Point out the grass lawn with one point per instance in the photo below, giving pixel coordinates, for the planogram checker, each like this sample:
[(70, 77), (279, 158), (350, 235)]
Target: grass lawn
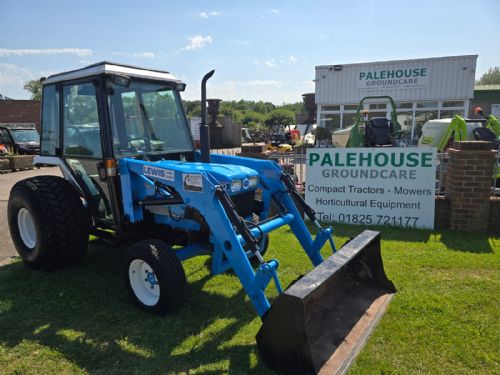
[(444, 318)]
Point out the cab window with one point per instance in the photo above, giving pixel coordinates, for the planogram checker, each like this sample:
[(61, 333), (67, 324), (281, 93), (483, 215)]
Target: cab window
[(82, 133)]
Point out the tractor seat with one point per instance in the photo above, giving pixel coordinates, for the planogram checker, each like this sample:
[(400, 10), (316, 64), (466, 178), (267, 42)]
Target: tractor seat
[(483, 134), (378, 132)]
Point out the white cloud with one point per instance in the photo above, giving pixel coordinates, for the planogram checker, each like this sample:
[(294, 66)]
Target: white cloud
[(47, 73), (271, 63), (197, 42), (261, 83), (82, 52), (209, 14), (138, 55), (144, 55), (12, 80), (292, 59), (271, 12)]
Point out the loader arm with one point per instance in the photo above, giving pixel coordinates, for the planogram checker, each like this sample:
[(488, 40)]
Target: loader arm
[(275, 185)]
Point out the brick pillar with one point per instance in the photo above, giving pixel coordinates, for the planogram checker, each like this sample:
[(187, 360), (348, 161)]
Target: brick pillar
[(468, 184)]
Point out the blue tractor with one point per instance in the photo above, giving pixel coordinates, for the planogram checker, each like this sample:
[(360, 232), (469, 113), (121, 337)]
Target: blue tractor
[(132, 175)]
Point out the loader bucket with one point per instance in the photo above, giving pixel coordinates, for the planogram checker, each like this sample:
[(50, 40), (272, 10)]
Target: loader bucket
[(320, 323)]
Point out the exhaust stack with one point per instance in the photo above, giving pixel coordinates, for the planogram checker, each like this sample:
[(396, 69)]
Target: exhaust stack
[(204, 130)]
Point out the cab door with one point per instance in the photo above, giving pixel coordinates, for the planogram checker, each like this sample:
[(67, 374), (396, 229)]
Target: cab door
[(82, 146)]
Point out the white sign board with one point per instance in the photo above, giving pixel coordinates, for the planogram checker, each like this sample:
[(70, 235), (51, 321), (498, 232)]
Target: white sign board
[(393, 78), (495, 110), (372, 186)]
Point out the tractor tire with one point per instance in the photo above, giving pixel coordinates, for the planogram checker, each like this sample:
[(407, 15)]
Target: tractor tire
[(155, 277), (48, 222)]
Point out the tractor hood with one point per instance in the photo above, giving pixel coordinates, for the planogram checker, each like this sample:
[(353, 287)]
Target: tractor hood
[(235, 178), (221, 172)]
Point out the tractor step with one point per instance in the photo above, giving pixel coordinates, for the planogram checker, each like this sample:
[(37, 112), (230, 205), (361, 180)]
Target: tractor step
[(325, 317)]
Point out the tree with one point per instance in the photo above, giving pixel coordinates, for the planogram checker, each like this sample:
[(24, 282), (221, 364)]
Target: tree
[(35, 89), (247, 111), (280, 117), (252, 116), (491, 77)]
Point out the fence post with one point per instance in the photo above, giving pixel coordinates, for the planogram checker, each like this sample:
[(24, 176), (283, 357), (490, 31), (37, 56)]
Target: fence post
[(469, 180)]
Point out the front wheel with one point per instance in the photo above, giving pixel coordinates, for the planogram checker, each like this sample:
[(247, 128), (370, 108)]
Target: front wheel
[(155, 277)]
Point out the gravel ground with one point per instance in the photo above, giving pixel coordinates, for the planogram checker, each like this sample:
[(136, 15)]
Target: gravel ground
[(7, 249)]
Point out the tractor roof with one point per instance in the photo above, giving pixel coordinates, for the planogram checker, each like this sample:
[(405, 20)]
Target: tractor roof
[(110, 67)]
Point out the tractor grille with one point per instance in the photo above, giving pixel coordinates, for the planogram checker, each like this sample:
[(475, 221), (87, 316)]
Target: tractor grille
[(244, 203)]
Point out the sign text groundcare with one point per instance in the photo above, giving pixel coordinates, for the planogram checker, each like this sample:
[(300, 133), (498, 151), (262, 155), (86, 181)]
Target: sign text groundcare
[(393, 186)]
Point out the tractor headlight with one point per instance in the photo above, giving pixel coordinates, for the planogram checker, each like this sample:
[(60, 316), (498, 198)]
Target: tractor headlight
[(235, 185), (253, 181)]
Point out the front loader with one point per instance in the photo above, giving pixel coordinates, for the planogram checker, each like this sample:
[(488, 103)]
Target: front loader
[(131, 175)]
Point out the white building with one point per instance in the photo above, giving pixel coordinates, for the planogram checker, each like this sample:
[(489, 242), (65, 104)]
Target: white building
[(423, 89)]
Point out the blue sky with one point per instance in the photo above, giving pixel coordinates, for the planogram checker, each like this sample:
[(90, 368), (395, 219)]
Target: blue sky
[(261, 50)]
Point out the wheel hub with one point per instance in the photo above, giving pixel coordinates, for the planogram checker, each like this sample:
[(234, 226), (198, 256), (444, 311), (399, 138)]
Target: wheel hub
[(151, 279), (143, 282), (26, 227)]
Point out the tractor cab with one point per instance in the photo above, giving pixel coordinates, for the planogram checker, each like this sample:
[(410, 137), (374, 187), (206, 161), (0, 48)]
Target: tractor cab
[(108, 111)]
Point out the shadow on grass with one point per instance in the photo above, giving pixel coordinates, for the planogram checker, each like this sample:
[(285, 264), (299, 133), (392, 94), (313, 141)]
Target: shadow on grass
[(468, 242), (85, 315), (387, 232), (452, 239)]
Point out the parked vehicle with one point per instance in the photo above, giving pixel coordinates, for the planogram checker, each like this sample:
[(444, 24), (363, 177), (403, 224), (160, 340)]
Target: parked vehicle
[(441, 133), (20, 138)]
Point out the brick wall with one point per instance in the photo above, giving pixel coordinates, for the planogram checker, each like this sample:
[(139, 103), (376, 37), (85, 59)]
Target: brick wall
[(23, 111), (468, 184)]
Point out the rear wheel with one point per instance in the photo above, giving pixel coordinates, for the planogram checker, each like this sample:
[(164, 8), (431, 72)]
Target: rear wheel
[(48, 223), (155, 277)]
